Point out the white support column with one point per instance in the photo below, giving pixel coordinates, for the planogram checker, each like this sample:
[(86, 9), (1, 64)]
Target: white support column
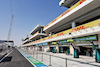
[(50, 33), (71, 50), (41, 30), (57, 47), (42, 48), (99, 40), (33, 48), (73, 24)]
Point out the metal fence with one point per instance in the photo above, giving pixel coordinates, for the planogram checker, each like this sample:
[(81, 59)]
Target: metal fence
[(48, 58), (53, 60), (62, 60)]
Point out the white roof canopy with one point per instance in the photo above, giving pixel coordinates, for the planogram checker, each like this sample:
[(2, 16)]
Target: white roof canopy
[(36, 28), (67, 3)]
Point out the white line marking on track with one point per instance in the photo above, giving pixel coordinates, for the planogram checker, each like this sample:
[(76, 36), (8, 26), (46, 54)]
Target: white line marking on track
[(6, 56), (26, 58)]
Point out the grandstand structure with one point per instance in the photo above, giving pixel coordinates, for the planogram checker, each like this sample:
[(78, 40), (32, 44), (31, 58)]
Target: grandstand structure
[(80, 23)]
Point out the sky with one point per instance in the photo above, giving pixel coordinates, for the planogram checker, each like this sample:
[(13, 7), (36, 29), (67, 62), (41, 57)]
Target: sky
[(27, 15)]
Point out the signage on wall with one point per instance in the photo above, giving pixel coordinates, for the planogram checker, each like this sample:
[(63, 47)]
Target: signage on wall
[(67, 11), (81, 27), (85, 26), (70, 40), (87, 38), (62, 41), (37, 44), (78, 28), (45, 43), (53, 43)]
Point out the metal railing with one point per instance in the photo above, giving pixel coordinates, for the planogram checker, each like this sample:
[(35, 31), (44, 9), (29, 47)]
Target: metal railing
[(55, 60), (50, 57)]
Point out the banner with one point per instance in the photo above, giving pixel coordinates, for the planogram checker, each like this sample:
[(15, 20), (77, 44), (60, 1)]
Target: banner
[(87, 38), (81, 27), (74, 6)]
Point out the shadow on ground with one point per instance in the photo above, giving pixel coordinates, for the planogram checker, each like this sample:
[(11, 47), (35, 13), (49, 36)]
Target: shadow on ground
[(7, 59)]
